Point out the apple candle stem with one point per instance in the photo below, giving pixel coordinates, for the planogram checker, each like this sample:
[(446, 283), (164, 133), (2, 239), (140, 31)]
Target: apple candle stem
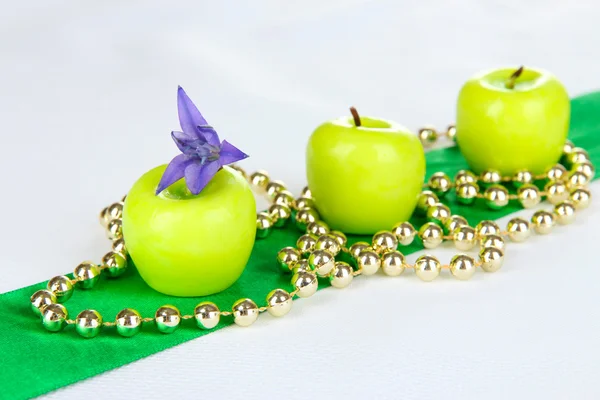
[(510, 83), (356, 117)]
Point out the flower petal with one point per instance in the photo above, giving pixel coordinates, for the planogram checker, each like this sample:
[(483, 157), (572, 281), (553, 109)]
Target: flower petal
[(197, 175), (183, 141), (209, 134), (189, 116), (230, 154), (174, 172)]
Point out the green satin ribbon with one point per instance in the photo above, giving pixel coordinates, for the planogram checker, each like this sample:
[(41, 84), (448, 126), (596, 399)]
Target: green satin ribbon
[(35, 361)]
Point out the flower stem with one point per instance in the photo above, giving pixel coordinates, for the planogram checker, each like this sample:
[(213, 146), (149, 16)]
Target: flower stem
[(356, 117), (510, 83)]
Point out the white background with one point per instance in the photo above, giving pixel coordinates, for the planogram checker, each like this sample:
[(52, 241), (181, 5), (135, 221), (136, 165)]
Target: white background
[(87, 101)]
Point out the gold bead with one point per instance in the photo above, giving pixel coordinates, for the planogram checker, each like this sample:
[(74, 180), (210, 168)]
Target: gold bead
[(341, 275), (404, 232), (306, 283), (565, 212), (358, 248), (467, 192), (301, 265), (581, 198), (427, 268), (245, 312), (54, 317), (462, 266), (431, 235), (322, 262), (518, 229), (207, 315), (368, 262), (464, 238), (329, 243), (438, 213), (490, 177), (454, 222), (62, 288), (284, 198), (128, 322), (521, 178), (280, 214), (577, 155), (114, 229), (106, 257), (451, 132), (493, 241), (87, 274), (491, 259), (167, 319), (440, 184), (306, 243), (496, 197), (568, 147), (306, 192), (118, 245), (260, 179), (542, 221), (464, 176), (304, 202), (115, 264), (384, 241), (264, 222), (392, 263), (88, 323), (114, 211), (103, 217), (305, 217), (577, 179), (529, 196), (587, 168), (340, 237), (428, 135), (286, 257), (279, 302), (41, 299), (556, 173), (487, 227), (425, 200), (317, 228), (556, 192), (274, 187), (239, 169)]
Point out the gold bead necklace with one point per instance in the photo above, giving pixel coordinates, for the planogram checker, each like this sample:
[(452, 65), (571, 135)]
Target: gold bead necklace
[(317, 248)]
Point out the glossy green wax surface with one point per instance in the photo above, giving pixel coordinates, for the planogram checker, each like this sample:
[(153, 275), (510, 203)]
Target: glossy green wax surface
[(186, 245), (364, 179), (512, 129)]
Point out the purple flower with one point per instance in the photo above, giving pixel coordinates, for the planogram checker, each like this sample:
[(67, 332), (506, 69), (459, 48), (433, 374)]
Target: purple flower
[(203, 154)]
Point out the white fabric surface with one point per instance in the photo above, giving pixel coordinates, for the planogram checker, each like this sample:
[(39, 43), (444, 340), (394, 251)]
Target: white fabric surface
[(87, 102)]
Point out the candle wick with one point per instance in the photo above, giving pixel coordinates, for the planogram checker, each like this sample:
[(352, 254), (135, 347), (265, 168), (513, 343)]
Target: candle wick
[(355, 115), (510, 83)]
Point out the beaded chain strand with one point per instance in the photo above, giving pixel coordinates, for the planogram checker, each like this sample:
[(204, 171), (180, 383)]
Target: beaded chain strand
[(318, 247)]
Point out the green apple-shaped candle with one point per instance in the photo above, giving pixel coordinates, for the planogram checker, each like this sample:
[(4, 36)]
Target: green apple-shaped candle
[(190, 245), (190, 226), (365, 174), (512, 119)]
